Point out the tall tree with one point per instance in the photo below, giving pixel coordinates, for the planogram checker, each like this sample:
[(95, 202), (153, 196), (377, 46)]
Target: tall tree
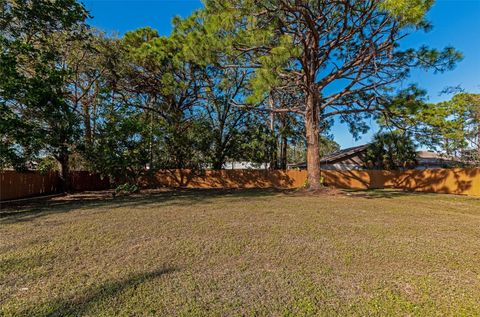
[(344, 56), (227, 123), (34, 77), (391, 151), (157, 79), (233, 135), (120, 148), (451, 127), (285, 127), (88, 58)]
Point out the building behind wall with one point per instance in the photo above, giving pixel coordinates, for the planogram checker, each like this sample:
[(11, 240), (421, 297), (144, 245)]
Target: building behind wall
[(354, 159)]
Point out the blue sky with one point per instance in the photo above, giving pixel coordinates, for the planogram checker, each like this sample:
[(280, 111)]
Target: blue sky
[(456, 23)]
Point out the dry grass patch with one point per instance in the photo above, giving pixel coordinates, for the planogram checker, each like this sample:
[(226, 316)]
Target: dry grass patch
[(212, 253)]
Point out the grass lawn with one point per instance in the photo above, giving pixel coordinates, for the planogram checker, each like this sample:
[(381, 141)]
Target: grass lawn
[(254, 253)]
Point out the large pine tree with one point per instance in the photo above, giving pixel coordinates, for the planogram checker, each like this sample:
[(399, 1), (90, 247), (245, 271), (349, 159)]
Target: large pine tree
[(342, 57)]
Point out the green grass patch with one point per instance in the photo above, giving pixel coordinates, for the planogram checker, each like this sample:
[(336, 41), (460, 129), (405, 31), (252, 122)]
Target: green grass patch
[(245, 252)]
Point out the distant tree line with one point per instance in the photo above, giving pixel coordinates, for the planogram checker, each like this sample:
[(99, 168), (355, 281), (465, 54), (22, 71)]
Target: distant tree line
[(256, 81)]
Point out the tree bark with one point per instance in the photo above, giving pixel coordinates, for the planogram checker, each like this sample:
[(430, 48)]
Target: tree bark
[(273, 151), (218, 162), (87, 123), (312, 135), (283, 144), (151, 141), (66, 185)]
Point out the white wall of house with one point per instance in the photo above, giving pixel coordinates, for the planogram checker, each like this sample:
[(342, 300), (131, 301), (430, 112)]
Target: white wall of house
[(341, 166), (246, 166)]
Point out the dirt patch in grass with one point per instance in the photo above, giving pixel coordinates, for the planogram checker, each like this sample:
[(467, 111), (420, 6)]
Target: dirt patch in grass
[(242, 252), (330, 191)]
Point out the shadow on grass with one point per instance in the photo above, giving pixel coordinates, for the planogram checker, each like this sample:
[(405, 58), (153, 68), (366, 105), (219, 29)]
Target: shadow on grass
[(33, 209), (383, 193), (80, 304)]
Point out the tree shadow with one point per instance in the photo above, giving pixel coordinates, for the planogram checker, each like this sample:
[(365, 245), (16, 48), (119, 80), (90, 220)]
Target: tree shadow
[(226, 179), (381, 193), (79, 304), (445, 181), (37, 208)]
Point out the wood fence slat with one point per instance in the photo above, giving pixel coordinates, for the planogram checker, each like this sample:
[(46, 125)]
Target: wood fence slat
[(450, 181), (15, 185)]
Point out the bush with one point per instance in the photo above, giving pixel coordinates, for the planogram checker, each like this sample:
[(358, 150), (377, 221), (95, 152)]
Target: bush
[(47, 164), (126, 189)]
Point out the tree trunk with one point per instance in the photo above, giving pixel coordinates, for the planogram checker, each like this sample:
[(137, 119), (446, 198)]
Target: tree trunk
[(218, 160), (66, 185), (273, 151), (311, 127), (284, 144), (151, 142), (283, 161), (87, 123), (218, 164)]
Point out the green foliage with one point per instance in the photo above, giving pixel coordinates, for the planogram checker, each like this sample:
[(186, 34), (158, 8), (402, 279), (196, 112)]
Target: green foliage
[(391, 151), (183, 144), (408, 12), (47, 164), (192, 122), (120, 149), (126, 189), (259, 144), (297, 152), (147, 101), (33, 93), (327, 146), (226, 128), (451, 127), (19, 140), (264, 38), (344, 59)]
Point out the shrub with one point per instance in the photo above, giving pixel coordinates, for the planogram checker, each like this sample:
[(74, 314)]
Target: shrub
[(126, 189)]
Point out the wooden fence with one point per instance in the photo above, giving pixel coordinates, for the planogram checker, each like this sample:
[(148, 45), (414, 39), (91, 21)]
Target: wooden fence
[(449, 181), (14, 185), (227, 179), (86, 181)]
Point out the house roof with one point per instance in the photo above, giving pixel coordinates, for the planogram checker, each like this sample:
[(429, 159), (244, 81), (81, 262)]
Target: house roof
[(424, 157), (338, 155), (343, 153), (434, 158), (431, 155)]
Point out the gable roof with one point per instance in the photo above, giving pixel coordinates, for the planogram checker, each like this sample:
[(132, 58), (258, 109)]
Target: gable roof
[(423, 157), (343, 154), (338, 155)]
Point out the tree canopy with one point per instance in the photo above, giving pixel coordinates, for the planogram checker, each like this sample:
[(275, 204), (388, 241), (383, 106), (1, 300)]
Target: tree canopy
[(391, 151), (260, 81), (33, 89), (340, 59)]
